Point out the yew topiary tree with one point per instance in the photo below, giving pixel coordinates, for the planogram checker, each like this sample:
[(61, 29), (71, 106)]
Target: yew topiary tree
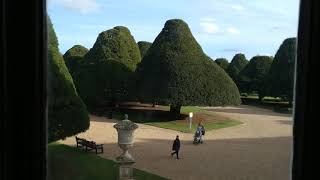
[(176, 72), (73, 59), (144, 46), (223, 63), (67, 114), (281, 76), (252, 77), (236, 65), (107, 72)]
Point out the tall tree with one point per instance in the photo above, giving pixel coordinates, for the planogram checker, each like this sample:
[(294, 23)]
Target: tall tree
[(67, 114), (281, 76), (236, 65), (176, 72), (223, 63), (73, 58), (107, 71), (252, 77)]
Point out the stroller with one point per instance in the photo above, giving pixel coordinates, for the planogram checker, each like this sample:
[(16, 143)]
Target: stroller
[(197, 137)]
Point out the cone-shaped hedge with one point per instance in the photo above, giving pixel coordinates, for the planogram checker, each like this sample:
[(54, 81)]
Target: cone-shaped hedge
[(223, 63), (252, 77), (116, 44), (236, 65), (144, 46), (107, 72), (67, 114), (176, 71), (73, 58), (281, 76)]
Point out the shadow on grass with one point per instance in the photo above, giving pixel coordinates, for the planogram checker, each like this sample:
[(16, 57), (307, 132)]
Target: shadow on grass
[(70, 163), (246, 109), (139, 115)]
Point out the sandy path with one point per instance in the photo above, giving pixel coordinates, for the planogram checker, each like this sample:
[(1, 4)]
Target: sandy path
[(258, 149)]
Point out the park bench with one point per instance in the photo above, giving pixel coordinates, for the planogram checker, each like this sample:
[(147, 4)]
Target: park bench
[(89, 145)]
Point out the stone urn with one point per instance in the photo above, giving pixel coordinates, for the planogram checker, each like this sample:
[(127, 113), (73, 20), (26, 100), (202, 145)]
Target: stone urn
[(125, 129)]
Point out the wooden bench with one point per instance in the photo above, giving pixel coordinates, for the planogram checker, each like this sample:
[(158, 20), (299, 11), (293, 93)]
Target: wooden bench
[(89, 145), (80, 142)]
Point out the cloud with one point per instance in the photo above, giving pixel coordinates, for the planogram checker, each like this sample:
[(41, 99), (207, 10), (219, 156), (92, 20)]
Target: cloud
[(231, 50), (209, 27), (233, 30), (237, 7), (82, 6), (207, 19)]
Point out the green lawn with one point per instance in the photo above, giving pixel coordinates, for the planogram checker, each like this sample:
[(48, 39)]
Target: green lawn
[(161, 118), (184, 127), (70, 163)]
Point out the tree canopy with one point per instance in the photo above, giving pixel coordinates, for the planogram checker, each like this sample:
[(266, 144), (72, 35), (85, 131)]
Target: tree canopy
[(223, 63), (281, 76), (252, 77), (144, 46), (73, 58), (177, 72), (107, 71), (236, 65), (67, 114)]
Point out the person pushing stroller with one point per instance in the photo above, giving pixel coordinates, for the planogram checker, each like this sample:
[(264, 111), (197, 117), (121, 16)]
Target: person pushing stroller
[(198, 136)]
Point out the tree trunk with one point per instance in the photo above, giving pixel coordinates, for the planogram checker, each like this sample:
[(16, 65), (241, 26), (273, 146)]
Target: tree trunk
[(260, 97), (175, 110)]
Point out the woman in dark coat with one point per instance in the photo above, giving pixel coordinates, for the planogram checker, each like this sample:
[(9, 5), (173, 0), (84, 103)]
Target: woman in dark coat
[(176, 147)]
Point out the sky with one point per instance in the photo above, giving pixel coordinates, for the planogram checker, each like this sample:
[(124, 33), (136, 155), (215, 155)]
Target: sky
[(223, 28)]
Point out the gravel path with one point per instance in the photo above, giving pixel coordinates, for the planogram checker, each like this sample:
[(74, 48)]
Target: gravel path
[(260, 148)]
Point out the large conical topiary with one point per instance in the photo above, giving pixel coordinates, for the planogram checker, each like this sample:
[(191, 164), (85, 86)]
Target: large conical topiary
[(144, 46), (107, 72), (223, 63), (73, 58), (67, 114), (252, 77), (176, 71), (281, 76)]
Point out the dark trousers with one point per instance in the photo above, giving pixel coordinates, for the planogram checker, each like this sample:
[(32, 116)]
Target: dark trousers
[(175, 152)]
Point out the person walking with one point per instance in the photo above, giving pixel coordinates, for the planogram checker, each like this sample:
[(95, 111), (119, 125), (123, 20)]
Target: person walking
[(176, 147)]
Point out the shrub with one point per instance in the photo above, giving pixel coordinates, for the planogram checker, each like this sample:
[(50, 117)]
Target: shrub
[(252, 77), (67, 114), (281, 77), (236, 65), (223, 63), (177, 72), (143, 47), (73, 58), (107, 71)]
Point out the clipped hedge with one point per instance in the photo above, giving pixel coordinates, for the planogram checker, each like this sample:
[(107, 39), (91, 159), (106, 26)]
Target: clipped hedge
[(67, 114), (176, 71)]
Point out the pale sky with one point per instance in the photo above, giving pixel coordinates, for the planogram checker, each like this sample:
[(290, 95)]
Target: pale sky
[(222, 27)]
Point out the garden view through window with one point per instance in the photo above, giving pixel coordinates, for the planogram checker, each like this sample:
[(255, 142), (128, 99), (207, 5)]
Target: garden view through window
[(171, 89)]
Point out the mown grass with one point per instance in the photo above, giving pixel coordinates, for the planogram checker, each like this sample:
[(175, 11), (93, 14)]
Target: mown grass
[(70, 163), (163, 119), (184, 127)]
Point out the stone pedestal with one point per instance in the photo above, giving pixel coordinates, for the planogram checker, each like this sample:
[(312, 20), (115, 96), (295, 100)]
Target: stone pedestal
[(125, 129), (125, 169)]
